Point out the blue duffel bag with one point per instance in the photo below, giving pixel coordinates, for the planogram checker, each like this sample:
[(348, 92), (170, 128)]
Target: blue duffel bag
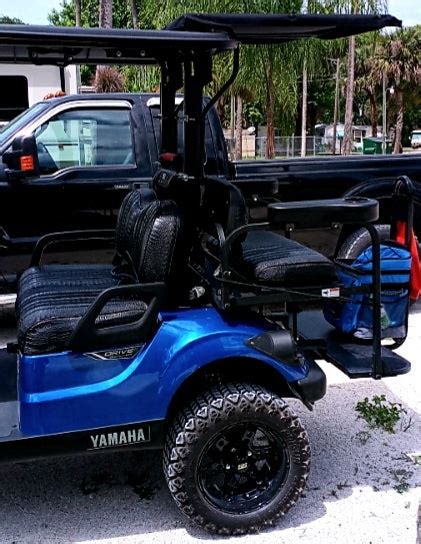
[(356, 316)]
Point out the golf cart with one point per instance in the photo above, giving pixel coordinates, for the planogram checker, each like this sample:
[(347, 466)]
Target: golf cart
[(203, 323)]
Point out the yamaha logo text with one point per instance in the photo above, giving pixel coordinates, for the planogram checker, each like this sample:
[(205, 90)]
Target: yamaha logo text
[(120, 438)]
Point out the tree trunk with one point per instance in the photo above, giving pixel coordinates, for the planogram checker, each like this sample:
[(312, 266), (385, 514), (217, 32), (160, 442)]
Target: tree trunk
[(347, 144), (78, 13), (304, 112), (135, 13), (270, 111), (397, 148), (373, 114), (105, 21), (106, 13), (239, 129)]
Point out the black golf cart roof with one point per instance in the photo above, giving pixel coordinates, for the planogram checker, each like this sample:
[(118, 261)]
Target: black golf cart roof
[(203, 33)]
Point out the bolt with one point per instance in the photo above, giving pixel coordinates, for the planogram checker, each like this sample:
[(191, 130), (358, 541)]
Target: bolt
[(227, 467), (249, 454)]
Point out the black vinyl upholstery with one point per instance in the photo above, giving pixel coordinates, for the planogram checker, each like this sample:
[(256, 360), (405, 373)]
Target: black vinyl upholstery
[(269, 258), (97, 277), (260, 256), (50, 303)]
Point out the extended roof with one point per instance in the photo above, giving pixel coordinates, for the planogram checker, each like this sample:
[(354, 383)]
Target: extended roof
[(209, 33), (279, 28)]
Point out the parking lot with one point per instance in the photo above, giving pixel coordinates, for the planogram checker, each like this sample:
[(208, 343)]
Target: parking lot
[(364, 485)]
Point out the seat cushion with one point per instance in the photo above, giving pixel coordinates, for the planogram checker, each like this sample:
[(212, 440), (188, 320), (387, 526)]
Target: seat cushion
[(269, 258), (46, 322), (69, 279)]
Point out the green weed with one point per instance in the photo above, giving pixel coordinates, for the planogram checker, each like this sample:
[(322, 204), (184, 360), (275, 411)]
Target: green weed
[(380, 412)]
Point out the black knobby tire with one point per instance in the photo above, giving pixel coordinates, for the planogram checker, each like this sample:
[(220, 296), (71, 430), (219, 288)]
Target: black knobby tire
[(265, 426), (359, 241)]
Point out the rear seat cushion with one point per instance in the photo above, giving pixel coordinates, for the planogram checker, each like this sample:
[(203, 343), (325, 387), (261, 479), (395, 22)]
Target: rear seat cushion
[(269, 258)]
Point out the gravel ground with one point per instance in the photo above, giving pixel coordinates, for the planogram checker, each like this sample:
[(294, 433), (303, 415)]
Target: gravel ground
[(363, 486)]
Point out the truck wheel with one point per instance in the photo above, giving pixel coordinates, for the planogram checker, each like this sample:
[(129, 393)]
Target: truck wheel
[(359, 241), (236, 459)]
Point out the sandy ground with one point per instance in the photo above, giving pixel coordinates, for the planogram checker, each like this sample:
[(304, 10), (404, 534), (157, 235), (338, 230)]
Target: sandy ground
[(363, 487)]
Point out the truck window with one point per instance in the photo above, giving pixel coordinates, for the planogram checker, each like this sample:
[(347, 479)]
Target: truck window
[(85, 137), (13, 96)]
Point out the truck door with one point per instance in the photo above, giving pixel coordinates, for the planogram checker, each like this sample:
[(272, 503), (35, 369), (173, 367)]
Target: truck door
[(87, 166), (88, 149)]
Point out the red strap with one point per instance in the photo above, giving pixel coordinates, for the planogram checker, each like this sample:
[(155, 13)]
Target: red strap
[(415, 283)]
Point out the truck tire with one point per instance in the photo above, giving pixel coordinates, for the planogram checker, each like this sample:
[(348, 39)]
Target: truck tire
[(236, 459), (355, 244)]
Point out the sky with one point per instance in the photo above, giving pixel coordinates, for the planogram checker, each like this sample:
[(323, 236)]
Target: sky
[(36, 11)]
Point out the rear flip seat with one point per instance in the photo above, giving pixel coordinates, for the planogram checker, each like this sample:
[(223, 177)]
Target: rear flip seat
[(268, 258)]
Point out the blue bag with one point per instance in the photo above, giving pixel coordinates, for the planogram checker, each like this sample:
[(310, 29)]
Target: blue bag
[(395, 265)]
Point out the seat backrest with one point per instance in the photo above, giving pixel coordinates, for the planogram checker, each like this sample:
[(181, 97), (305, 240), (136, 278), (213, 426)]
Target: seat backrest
[(154, 248), (224, 203), (128, 216)]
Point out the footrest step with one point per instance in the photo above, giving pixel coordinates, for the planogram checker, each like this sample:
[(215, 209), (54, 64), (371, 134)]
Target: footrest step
[(356, 360)]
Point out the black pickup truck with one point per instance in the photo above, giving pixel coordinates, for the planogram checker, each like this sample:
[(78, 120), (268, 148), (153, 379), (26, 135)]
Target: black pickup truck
[(92, 149)]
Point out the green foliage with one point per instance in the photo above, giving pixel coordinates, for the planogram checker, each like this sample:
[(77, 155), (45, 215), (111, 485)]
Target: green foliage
[(6, 20), (253, 114), (380, 412), (65, 15)]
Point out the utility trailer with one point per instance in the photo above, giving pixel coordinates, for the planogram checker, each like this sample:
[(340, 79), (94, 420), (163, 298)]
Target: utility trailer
[(191, 339)]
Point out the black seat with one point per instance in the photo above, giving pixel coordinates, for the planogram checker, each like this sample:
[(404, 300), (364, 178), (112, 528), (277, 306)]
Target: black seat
[(54, 278), (268, 258), (47, 316), (260, 256)]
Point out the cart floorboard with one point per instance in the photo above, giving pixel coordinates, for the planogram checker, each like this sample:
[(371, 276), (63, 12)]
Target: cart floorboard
[(354, 359)]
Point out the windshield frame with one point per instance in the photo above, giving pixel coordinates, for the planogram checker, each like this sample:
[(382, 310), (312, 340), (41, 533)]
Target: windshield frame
[(11, 129)]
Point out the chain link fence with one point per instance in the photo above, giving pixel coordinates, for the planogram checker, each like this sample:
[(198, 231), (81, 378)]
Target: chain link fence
[(254, 147)]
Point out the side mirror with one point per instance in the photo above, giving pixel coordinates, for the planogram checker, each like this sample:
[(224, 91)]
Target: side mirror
[(22, 161)]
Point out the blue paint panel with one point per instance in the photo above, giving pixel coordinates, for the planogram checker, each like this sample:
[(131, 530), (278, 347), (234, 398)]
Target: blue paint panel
[(69, 391)]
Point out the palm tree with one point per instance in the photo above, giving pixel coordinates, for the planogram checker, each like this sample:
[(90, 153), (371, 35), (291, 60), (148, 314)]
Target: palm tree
[(353, 7), (400, 60), (78, 13), (135, 13), (267, 72), (367, 78), (106, 13)]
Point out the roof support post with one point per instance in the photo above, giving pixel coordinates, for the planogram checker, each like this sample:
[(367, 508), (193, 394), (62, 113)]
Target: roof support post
[(171, 81), (197, 73)]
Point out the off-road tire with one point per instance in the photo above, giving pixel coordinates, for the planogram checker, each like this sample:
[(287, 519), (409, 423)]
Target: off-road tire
[(359, 241), (210, 414)]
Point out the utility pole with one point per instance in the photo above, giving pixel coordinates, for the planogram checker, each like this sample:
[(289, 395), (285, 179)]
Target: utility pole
[(336, 107), (384, 117)]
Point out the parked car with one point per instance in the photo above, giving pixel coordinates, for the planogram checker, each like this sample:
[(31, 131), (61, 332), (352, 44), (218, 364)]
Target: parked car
[(416, 139)]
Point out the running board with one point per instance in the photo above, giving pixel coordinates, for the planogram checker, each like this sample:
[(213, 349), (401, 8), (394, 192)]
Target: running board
[(356, 360)]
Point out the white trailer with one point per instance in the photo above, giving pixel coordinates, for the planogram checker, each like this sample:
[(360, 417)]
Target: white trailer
[(22, 85)]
